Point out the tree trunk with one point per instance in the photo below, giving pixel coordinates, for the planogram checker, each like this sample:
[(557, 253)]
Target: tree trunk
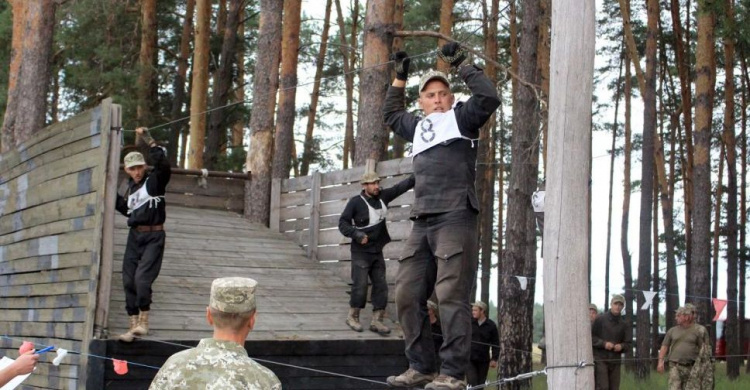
[(513, 32), (307, 153), (520, 257), (654, 342), (147, 62), (566, 204), (716, 233), (648, 91), (615, 127), (178, 85), (284, 138), (28, 77), (705, 68), (199, 84), (743, 209), (238, 127), (216, 136), (625, 222), (348, 55), (372, 136), (446, 28), (543, 53), (260, 153), (731, 330), (397, 143), (683, 69), (486, 160)]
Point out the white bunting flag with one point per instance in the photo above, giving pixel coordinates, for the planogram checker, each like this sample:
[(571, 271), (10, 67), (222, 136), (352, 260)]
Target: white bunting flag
[(649, 297), (523, 281)]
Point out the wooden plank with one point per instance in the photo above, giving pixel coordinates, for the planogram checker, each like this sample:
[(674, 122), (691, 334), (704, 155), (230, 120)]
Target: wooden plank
[(44, 302), (397, 230), (68, 208), (26, 151), (296, 184), (342, 252), (275, 204), (63, 330), (218, 187), (46, 289), (297, 198), (211, 202), (73, 314), (76, 241), (54, 276), (348, 190), (46, 262), (312, 248), (48, 229)]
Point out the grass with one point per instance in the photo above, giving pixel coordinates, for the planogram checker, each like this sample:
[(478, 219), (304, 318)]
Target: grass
[(654, 381)]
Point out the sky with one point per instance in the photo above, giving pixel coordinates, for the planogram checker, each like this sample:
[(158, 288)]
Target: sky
[(601, 143)]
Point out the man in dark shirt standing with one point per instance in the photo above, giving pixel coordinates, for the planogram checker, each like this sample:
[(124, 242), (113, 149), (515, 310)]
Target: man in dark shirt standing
[(363, 220), (441, 252), (484, 341), (609, 336), (143, 204)]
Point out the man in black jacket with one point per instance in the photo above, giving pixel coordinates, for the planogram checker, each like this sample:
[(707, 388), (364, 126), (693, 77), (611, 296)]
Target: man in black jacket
[(143, 204), (609, 337), (484, 342), (441, 252), (363, 220)]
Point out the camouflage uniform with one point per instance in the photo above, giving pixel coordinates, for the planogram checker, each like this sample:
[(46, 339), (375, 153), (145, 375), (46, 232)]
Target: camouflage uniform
[(219, 364), (697, 375), (214, 364)]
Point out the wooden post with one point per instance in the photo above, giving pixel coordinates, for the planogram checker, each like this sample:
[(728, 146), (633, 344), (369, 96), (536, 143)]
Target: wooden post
[(312, 248), (273, 222), (568, 330), (108, 224)]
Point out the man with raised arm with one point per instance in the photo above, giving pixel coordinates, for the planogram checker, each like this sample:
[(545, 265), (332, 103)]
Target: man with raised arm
[(441, 252)]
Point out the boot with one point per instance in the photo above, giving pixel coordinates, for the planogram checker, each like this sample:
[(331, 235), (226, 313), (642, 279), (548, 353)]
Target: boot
[(377, 325), (410, 378), (128, 336), (353, 320), (446, 382), (142, 328)]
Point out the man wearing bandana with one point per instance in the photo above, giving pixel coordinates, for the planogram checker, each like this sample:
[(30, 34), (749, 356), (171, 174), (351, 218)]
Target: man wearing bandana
[(143, 204), (441, 252)]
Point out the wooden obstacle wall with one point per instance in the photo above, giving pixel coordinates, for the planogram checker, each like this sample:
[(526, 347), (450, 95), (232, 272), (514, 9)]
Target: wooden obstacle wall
[(51, 203), (307, 210)]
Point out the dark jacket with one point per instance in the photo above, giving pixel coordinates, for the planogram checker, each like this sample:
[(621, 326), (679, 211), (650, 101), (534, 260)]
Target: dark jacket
[(153, 213), (483, 338), (445, 173), (357, 214), (608, 327)]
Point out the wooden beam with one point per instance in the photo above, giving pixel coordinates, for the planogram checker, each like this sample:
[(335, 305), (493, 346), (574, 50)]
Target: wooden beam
[(312, 249)]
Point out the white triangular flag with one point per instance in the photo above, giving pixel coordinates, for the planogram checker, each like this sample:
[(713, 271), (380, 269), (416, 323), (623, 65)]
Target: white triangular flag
[(523, 281), (61, 353), (649, 297)]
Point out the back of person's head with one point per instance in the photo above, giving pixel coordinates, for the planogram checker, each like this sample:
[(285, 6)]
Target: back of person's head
[(232, 302)]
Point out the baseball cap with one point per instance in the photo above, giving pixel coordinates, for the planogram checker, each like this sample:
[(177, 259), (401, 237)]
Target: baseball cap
[(618, 298), (369, 177), (480, 305), (133, 159), (233, 294), (433, 75)]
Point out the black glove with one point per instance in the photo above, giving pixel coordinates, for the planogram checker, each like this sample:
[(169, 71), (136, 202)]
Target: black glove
[(401, 64), (452, 53), (145, 138)]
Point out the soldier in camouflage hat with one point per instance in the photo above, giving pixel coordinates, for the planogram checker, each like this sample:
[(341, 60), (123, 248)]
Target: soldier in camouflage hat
[(687, 349), (221, 362)]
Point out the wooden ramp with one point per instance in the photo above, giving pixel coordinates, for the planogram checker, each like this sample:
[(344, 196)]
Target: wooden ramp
[(298, 299)]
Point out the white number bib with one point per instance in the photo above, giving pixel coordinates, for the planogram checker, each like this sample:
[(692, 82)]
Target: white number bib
[(436, 128)]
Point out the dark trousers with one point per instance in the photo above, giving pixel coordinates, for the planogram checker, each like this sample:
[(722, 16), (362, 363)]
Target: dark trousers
[(441, 256), (476, 372), (607, 375), (368, 265), (140, 267)]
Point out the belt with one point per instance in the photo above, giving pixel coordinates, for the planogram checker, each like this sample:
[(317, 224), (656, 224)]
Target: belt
[(685, 364), (147, 228)]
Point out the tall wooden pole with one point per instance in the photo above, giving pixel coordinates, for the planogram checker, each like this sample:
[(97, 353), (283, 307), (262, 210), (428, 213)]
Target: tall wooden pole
[(567, 325)]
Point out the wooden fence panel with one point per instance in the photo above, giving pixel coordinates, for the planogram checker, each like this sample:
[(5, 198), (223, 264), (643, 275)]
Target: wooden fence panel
[(51, 199)]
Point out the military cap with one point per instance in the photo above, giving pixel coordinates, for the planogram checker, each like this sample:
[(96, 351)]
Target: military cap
[(480, 305), (593, 307), (688, 309), (618, 298), (433, 75), (369, 177), (133, 159), (233, 294)]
